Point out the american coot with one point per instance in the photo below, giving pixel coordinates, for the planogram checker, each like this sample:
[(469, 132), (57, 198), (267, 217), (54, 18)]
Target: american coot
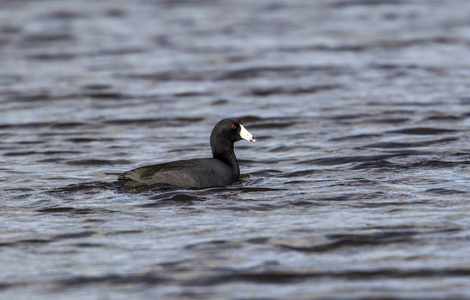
[(220, 170)]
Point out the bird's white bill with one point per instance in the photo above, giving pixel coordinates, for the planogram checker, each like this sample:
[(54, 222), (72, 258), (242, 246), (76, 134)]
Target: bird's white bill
[(246, 135)]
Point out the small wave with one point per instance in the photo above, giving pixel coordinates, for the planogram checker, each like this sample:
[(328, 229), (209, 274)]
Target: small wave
[(423, 131), (417, 144), (340, 160), (355, 240), (98, 162)]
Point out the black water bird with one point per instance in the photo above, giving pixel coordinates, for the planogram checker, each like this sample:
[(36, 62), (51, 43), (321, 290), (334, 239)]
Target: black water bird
[(220, 170)]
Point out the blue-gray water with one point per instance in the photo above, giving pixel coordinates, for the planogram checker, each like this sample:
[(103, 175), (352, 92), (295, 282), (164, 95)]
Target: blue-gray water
[(357, 186)]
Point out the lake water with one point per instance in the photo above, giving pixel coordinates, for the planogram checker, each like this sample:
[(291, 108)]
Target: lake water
[(357, 186)]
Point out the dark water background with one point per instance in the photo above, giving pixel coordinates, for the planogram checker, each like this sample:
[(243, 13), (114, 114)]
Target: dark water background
[(358, 185)]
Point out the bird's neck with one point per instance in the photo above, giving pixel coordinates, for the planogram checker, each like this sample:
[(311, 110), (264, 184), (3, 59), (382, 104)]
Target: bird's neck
[(225, 153)]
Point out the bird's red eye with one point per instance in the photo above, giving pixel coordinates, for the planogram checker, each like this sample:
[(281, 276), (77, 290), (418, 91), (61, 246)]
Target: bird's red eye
[(234, 126)]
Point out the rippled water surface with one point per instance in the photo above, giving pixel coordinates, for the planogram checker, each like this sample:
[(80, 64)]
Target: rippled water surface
[(357, 186)]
